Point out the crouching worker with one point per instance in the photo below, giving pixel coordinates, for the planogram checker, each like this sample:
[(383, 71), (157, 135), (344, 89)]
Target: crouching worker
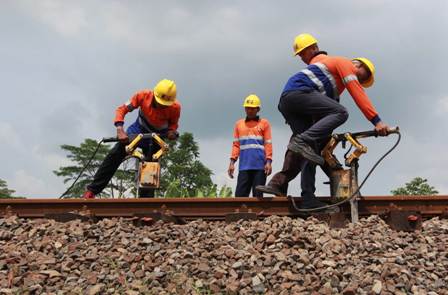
[(310, 105), (159, 112), (252, 144)]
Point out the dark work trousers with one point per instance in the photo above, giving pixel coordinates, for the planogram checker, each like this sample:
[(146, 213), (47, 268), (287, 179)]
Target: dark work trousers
[(247, 181), (299, 108), (114, 159), (314, 116)]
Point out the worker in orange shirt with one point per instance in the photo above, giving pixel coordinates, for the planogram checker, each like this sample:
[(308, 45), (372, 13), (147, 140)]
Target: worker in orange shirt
[(159, 112), (252, 144), (294, 163), (310, 105)]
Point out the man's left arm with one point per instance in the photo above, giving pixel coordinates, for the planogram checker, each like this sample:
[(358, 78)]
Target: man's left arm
[(173, 124), (267, 137)]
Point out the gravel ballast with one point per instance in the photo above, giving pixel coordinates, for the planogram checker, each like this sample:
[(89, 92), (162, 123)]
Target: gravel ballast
[(277, 255)]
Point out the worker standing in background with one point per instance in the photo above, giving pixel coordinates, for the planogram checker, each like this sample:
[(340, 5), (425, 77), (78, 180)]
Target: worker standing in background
[(310, 105), (252, 144), (159, 112)]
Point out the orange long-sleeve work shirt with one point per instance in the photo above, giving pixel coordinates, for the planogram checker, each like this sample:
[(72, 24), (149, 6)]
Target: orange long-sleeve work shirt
[(331, 75), (150, 117), (252, 143)]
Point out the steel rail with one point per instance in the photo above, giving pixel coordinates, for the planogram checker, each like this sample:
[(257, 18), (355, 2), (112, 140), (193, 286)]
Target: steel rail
[(211, 208)]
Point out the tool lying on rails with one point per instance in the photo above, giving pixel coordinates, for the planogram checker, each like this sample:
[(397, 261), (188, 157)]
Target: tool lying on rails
[(148, 170), (344, 182)]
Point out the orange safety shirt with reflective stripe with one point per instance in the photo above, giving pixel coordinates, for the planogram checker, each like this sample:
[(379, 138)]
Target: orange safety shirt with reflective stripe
[(150, 117), (330, 75), (252, 144)]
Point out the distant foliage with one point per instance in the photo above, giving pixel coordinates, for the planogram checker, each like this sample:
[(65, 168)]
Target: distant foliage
[(225, 192), (214, 192), (183, 174), (417, 186), (5, 192)]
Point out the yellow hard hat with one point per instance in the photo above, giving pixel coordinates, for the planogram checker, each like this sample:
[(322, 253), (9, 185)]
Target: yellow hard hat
[(252, 101), (165, 92), (371, 68), (303, 41)]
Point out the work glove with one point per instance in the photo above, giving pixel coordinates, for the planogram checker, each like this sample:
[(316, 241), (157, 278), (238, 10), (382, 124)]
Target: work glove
[(268, 168), (122, 135), (172, 135), (382, 129), (231, 169)]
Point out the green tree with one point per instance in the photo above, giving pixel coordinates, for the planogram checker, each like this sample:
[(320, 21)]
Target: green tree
[(5, 192), (213, 192), (225, 192), (417, 186), (123, 182), (182, 174)]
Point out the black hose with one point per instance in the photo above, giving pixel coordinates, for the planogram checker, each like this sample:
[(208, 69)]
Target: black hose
[(82, 171), (359, 187)]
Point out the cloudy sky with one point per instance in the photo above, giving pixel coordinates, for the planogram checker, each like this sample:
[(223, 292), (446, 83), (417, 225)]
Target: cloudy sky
[(66, 66)]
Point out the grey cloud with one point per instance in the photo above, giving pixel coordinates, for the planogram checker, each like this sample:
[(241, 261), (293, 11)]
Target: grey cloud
[(66, 66)]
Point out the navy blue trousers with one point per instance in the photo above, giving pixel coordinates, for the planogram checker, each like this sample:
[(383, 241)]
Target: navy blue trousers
[(247, 181), (314, 116), (114, 159)]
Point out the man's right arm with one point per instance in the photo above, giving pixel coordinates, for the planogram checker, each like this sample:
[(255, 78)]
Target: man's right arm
[(235, 151), (121, 134), (127, 107), (121, 112)]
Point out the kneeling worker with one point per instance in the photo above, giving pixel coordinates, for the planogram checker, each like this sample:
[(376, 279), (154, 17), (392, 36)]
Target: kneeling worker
[(252, 143), (159, 112), (310, 105)]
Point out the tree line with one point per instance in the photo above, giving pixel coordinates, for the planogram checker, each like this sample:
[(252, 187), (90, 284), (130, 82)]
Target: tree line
[(182, 173)]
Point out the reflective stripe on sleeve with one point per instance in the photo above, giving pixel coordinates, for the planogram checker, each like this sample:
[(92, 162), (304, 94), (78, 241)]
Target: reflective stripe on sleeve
[(129, 106), (349, 78)]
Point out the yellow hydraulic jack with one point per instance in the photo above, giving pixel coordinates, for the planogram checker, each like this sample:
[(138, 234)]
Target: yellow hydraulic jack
[(148, 176), (344, 182), (148, 170)]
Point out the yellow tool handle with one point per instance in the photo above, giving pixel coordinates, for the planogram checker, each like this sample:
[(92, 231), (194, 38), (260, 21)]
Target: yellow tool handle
[(130, 147)]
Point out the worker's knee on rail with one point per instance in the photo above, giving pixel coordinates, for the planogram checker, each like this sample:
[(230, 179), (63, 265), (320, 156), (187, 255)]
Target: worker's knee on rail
[(343, 115)]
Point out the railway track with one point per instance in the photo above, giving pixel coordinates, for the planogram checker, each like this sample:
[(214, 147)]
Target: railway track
[(400, 212), (212, 208)]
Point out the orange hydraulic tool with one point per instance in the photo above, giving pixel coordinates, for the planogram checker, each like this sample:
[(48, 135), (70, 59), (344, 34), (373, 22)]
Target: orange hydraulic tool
[(148, 175), (344, 182), (148, 171)]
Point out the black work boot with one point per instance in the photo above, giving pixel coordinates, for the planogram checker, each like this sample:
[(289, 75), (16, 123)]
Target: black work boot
[(268, 189), (300, 146), (310, 203)]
